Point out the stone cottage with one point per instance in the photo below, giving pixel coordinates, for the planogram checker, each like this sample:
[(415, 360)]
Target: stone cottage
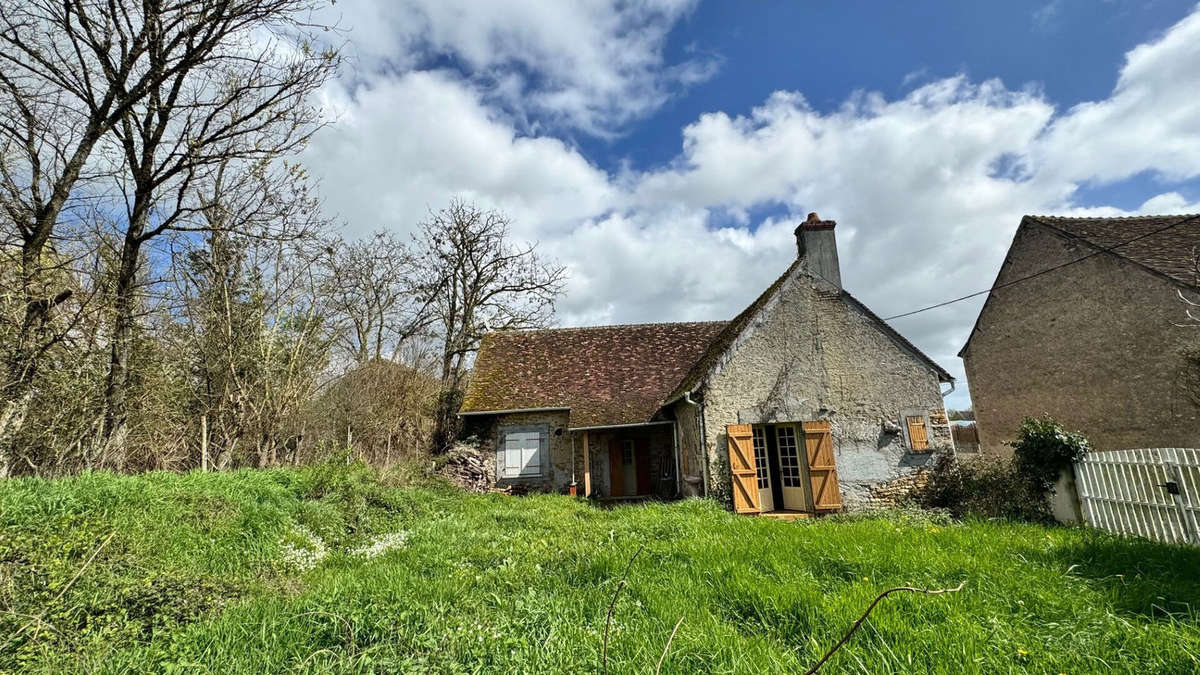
[(1093, 335), (806, 402)]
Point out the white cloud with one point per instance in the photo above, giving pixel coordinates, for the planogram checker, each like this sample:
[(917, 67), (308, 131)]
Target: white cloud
[(927, 188), (589, 64), (1151, 122), (405, 144)]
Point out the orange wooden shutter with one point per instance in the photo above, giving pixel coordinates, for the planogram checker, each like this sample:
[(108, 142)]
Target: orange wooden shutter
[(916, 433), (822, 468), (742, 469)]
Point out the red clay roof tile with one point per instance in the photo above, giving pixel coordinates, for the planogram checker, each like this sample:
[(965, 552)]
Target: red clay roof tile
[(606, 375)]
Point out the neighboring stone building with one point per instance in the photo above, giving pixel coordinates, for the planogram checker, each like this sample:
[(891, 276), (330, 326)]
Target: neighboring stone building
[(1094, 334), (804, 402)]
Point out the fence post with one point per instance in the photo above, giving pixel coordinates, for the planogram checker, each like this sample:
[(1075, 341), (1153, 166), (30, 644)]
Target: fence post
[(204, 442), (1187, 519)]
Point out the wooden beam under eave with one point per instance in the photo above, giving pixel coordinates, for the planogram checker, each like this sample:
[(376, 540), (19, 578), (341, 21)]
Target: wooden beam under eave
[(587, 467)]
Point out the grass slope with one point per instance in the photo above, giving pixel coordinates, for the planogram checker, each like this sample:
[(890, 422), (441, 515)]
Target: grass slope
[(207, 572)]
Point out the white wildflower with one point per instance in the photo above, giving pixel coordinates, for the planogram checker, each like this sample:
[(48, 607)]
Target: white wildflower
[(304, 552), (382, 544)]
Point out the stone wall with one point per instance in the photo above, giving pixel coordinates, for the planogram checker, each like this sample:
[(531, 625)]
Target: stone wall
[(558, 476), (566, 452), (895, 492), (1095, 345), (810, 354)]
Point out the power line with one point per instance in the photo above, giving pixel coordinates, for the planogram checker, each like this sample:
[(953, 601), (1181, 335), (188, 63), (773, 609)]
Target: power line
[(1047, 270)]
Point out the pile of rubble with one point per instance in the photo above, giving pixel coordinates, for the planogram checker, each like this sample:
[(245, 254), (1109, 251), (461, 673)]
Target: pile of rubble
[(467, 467)]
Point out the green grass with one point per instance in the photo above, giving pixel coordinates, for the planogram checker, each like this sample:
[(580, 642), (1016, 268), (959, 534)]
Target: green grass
[(197, 578)]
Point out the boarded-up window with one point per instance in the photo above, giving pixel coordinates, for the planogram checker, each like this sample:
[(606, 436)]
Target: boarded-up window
[(918, 438), (522, 452)]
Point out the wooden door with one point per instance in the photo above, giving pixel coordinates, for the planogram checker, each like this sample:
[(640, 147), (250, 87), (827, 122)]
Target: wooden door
[(742, 469), (822, 467), (762, 465), (793, 482), (616, 469)]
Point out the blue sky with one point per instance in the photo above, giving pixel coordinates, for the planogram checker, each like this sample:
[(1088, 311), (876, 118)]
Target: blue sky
[(1071, 49), (664, 150)]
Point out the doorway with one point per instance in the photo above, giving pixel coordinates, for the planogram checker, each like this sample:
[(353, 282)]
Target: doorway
[(793, 469), (629, 467), (781, 472)]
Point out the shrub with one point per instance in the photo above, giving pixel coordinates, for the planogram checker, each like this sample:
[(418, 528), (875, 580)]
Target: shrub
[(984, 487), (1043, 449)]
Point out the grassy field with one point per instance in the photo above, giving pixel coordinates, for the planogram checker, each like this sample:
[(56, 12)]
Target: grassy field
[(328, 570)]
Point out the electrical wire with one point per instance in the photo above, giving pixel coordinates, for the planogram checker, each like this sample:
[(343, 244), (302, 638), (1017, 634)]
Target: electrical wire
[(1006, 284)]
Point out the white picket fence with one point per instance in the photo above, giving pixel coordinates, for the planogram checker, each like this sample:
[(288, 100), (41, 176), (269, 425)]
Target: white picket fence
[(1152, 493)]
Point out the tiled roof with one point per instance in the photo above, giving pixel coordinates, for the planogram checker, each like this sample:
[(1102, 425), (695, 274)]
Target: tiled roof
[(606, 375), (1168, 245)]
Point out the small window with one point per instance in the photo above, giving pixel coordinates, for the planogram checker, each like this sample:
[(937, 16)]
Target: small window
[(522, 452), (627, 452), (918, 438)]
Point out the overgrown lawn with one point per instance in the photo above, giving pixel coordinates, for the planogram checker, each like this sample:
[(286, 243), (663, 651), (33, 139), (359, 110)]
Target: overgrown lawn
[(327, 569)]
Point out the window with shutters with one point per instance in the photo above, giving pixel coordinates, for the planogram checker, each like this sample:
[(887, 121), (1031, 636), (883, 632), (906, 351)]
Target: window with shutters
[(523, 451)]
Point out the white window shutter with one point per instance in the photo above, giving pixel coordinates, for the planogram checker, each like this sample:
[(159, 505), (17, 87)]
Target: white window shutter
[(512, 454), (523, 453)]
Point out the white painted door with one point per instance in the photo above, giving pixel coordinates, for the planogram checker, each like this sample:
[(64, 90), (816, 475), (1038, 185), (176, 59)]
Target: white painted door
[(766, 498), (792, 478)]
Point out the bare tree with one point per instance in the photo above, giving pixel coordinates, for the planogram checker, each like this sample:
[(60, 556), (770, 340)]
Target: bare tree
[(70, 72), (479, 281), (370, 294), (232, 109)]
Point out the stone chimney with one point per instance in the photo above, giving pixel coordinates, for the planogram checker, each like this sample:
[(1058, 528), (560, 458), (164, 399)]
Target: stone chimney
[(816, 244)]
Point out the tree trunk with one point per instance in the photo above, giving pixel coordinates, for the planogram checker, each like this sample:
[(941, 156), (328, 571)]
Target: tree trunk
[(12, 419), (116, 390)]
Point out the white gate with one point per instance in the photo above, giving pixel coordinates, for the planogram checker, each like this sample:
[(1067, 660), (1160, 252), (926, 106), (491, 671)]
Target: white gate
[(1152, 493)]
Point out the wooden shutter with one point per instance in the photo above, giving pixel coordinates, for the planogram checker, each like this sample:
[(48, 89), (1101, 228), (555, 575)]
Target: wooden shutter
[(742, 469), (916, 432), (822, 468)]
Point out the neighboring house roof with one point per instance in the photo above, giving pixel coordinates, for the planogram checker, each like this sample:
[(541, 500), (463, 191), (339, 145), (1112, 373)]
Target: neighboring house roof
[(1167, 246), (606, 375), (698, 372)]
